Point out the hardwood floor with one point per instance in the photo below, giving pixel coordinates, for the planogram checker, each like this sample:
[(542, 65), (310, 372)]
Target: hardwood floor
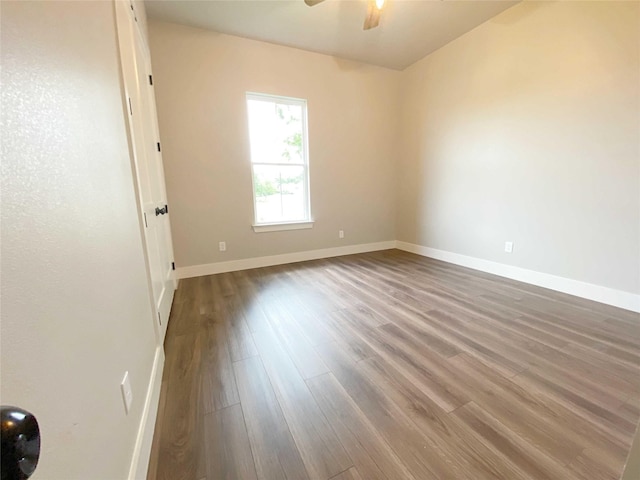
[(388, 365)]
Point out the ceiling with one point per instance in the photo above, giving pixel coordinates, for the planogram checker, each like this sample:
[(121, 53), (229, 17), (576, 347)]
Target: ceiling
[(409, 29)]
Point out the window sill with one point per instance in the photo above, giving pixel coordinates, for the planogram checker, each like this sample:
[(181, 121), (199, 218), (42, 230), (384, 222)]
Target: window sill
[(277, 227)]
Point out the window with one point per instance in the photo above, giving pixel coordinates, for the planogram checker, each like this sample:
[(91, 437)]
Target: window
[(279, 162)]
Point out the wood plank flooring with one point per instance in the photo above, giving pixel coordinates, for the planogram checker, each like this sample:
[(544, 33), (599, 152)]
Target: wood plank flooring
[(388, 365)]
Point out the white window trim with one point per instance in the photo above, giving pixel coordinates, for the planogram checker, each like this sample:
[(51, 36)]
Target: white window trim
[(278, 227), (307, 221)]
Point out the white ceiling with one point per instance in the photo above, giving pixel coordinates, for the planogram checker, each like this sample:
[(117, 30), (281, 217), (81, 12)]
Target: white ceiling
[(409, 29)]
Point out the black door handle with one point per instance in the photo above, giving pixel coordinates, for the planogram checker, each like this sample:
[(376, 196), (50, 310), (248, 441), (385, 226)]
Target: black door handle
[(160, 211), (20, 443)]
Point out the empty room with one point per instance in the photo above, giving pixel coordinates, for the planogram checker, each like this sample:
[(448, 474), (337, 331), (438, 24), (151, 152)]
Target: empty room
[(320, 239)]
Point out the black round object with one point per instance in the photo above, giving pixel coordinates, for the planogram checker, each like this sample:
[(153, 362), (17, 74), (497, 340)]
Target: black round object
[(20, 443)]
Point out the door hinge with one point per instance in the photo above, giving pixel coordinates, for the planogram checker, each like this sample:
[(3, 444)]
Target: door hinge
[(150, 79), (130, 109), (158, 145), (173, 265), (159, 319)]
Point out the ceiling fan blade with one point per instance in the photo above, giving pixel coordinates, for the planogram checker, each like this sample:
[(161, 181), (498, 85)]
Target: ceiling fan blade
[(311, 3), (373, 16)]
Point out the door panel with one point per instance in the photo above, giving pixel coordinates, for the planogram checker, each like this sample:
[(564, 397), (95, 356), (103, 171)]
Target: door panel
[(145, 138)]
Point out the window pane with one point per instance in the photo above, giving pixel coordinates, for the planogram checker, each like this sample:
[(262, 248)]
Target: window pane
[(280, 193), (275, 132)]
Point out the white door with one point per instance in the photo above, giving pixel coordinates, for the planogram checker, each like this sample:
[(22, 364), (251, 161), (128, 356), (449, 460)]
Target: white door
[(146, 148)]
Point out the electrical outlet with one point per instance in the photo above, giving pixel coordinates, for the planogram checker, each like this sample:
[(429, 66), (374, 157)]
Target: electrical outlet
[(340, 233), (127, 394), (508, 247), (223, 246)]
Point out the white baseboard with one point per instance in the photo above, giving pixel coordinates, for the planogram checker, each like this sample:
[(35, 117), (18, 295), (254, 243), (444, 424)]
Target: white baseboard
[(142, 449), (609, 296), (257, 262)]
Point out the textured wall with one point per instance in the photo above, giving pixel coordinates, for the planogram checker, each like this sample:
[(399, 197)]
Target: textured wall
[(76, 312)]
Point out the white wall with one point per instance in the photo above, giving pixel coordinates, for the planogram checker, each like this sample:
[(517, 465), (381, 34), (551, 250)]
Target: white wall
[(200, 80), (76, 311), (527, 129)]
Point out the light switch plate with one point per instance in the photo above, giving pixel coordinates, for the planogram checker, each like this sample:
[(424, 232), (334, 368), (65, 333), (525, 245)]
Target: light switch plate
[(508, 247)]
